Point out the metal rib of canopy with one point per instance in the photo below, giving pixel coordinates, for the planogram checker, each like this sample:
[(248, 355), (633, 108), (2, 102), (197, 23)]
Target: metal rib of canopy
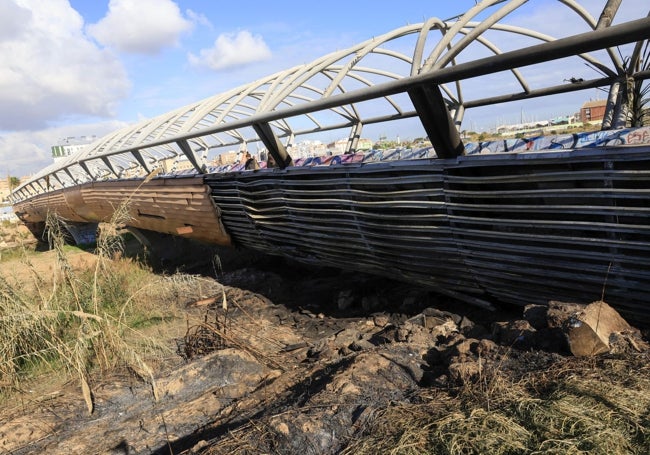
[(407, 52)]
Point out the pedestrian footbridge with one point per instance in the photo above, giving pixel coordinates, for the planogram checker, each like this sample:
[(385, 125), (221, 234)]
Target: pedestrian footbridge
[(554, 217)]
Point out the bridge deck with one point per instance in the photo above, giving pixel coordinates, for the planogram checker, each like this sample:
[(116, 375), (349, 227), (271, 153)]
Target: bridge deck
[(178, 206), (522, 227)]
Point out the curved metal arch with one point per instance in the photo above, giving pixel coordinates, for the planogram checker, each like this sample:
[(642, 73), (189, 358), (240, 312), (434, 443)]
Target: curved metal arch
[(228, 107), (490, 46), (591, 21), (349, 112), (103, 144), (278, 79), (326, 63), (281, 86), (288, 89), (471, 31), (368, 83), (437, 52), (157, 130), (241, 93), (208, 106), (308, 87), (294, 81), (495, 49), (415, 69), (362, 52), (345, 112), (531, 34), (418, 51)]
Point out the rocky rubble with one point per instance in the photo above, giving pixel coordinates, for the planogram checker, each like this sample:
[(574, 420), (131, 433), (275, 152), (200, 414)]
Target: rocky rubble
[(303, 366)]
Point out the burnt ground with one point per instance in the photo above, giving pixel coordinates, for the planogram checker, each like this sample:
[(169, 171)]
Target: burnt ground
[(277, 357)]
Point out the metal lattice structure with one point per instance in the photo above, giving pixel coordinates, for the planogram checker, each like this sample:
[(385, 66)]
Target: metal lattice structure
[(536, 220), (385, 78)]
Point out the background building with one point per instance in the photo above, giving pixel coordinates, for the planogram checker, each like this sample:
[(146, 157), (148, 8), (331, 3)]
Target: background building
[(70, 146), (593, 111)]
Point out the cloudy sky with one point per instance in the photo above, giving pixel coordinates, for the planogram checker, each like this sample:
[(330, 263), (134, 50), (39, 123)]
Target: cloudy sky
[(85, 68)]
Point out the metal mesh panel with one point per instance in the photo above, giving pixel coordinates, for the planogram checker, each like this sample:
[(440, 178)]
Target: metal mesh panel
[(522, 228)]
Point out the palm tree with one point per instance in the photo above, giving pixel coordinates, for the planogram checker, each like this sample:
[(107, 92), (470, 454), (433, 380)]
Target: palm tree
[(13, 182)]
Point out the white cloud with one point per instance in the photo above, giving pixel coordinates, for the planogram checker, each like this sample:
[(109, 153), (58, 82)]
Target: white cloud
[(20, 154), (23, 153), (50, 69), (232, 50), (12, 20), (140, 26), (198, 18)]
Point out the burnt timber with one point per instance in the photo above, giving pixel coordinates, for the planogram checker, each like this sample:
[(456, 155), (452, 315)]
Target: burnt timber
[(519, 227)]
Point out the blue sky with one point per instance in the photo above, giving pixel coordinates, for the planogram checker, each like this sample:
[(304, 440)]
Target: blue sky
[(88, 67), (292, 32)]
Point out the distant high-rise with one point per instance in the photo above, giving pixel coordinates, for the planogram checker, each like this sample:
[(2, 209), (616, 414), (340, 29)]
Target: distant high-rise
[(70, 146)]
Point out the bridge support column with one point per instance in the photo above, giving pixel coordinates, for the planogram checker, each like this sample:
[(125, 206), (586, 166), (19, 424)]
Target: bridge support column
[(55, 175), (86, 169), (189, 153), (290, 141), (624, 97), (138, 156), (437, 122), (458, 116), (353, 139), (67, 171), (612, 107), (110, 166), (273, 144)]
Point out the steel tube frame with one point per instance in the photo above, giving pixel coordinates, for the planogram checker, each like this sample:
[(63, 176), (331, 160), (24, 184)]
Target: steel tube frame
[(636, 30), (563, 47)]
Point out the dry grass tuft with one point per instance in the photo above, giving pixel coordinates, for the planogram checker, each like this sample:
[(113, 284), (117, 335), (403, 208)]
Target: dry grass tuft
[(575, 407), (76, 323), (254, 437)]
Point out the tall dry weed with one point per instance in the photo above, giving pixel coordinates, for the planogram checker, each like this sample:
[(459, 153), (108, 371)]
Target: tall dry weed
[(79, 322)]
